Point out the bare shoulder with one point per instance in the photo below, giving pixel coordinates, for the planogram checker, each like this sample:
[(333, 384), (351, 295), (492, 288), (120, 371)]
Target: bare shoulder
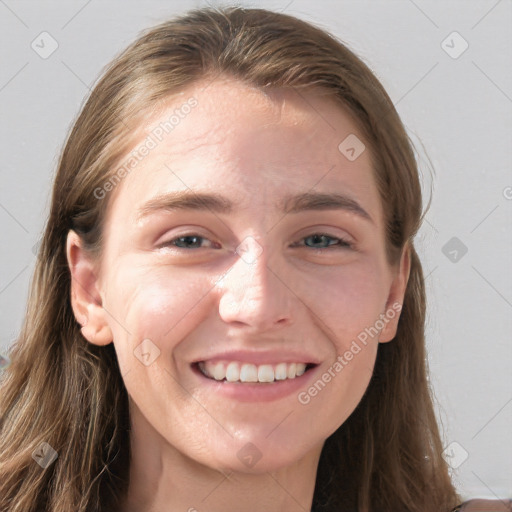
[(478, 505)]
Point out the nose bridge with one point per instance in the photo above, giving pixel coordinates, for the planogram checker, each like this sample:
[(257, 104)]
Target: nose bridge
[(251, 292)]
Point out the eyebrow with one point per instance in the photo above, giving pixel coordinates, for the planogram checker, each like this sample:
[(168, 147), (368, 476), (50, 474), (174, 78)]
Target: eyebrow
[(202, 201)]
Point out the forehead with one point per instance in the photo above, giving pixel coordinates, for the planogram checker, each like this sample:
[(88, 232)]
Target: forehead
[(246, 141)]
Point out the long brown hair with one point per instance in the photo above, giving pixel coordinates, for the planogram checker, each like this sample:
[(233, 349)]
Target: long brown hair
[(68, 393)]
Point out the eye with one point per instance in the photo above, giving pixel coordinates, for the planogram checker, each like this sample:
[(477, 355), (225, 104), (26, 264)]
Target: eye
[(188, 241), (324, 241), (316, 241)]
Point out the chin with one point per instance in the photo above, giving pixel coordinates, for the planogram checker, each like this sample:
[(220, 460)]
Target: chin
[(260, 455)]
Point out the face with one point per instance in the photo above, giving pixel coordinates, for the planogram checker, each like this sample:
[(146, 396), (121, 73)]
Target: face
[(244, 246)]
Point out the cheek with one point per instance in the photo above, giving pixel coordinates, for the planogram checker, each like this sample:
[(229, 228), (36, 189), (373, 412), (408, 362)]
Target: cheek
[(155, 304), (347, 300), (355, 366), (349, 305)]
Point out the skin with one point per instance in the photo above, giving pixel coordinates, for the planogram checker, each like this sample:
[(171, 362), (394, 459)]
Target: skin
[(253, 147)]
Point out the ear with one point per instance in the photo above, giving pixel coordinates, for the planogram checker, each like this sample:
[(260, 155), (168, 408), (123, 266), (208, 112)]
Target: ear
[(85, 294), (396, 297)]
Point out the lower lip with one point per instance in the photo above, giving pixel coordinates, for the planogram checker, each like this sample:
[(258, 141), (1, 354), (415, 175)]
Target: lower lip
[(257, 392)]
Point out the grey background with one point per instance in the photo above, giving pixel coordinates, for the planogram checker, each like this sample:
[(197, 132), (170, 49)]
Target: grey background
[(458, 111)]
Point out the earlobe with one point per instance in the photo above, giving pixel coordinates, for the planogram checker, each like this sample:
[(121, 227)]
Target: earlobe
[(85, 297), (396, 297)]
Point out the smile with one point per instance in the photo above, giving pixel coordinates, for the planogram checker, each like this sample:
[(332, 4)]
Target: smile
[(235, 371)]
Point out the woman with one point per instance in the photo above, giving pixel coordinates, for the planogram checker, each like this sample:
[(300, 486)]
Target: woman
[(227, 311)]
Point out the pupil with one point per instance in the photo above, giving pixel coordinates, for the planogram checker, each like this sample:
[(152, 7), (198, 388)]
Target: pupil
[(318, 239)]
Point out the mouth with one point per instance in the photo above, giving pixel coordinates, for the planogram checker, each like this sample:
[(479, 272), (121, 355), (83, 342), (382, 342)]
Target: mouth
[(240, 372)]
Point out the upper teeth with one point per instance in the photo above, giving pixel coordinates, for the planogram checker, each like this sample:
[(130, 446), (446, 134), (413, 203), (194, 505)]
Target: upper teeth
[(234, 371)]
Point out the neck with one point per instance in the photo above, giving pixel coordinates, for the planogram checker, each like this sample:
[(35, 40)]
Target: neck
[(164, 479)]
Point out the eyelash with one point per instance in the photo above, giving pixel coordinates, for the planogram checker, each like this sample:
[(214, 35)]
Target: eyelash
[(342, 243)]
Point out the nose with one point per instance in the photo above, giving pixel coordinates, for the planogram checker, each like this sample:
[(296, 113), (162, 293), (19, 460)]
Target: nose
[(253, 295)]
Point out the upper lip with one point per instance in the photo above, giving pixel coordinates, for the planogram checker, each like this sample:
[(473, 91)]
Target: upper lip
[(261, 357)]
